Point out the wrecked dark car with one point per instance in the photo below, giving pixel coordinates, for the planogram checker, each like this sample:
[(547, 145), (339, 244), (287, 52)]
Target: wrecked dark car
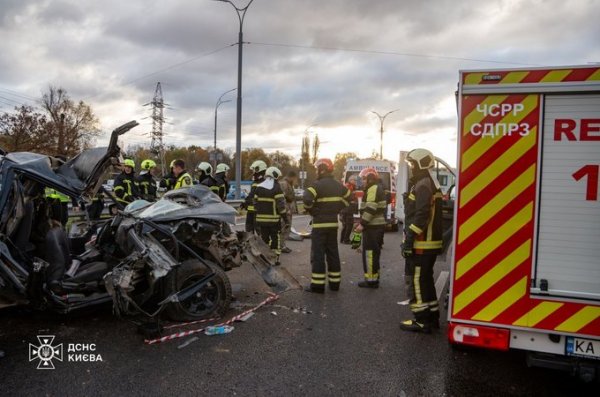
[(151, 258)]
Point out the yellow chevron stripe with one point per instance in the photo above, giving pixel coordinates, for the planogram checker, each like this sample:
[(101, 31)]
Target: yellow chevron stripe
[(580, 319), (501, 164), (595, 76), (538, 313), (556, 76), (494, 240), (475, 116), (495, 205), (503, 302), (513, 77), (474, 78), (494, 275), (484, 144)]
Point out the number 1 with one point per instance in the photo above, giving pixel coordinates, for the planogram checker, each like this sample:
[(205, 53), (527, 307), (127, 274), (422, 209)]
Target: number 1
[(592, 172)]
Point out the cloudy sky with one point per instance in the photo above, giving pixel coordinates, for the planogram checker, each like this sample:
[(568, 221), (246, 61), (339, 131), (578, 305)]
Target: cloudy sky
[(320, 63)]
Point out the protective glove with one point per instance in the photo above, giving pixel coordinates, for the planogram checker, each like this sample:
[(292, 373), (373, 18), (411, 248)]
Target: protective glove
[(407, 246)]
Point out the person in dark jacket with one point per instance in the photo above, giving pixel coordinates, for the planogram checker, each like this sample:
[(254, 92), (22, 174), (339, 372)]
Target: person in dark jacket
[(258, 168), (221, 178), (168, 181), (269, 204), (125, 187), (205, 177), (145, 181), (347, 214), (372, 226), (422, 241), (324, 200)]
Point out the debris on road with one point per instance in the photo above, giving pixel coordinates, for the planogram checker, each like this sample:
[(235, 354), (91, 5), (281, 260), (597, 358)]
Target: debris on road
[(404, 303), (218, 330), (246, 317), (274, 313), (188, 342)]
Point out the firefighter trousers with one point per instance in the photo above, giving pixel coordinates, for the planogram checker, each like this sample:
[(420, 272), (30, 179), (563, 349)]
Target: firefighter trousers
[(271, 235), (325, 259), (371, 252), (347, 226), (420, 287), (251, 221)]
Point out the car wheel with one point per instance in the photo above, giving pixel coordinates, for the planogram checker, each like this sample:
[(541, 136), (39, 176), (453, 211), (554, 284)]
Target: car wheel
[(211, 301)]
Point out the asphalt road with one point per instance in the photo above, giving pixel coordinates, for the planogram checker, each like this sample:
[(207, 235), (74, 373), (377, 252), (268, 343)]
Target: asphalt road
[(344, 343)]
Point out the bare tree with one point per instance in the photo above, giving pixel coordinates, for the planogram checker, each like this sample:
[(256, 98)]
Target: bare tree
[(72, 126), (23, 130)]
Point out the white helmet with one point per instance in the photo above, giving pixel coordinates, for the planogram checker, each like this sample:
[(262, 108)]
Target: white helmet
[(422, 158), (222, 167), (273, 172), (258, 166), (205, 167)]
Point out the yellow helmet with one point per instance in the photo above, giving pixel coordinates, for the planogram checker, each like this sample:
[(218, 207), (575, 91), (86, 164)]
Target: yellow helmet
[(422, 158), (129, 163), (273, 172), (222, 167), (172, 163), (205, 167), (258, 166), (148, 164)]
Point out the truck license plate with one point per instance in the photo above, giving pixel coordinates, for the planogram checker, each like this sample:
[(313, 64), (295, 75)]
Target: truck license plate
[(583, 347)]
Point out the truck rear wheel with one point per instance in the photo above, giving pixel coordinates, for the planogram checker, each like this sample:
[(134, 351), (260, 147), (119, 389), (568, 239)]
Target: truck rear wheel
[(212, 300)]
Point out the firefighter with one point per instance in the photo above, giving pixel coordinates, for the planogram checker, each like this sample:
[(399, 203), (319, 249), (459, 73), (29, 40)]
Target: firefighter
[(347, 214), (168, 181), (125, 187), (182, 178), (221, 178), (258, 168), (287, 186), (145, 181), (422, 241), (323, 201), (269, 204), (205, 177), (372, 226)]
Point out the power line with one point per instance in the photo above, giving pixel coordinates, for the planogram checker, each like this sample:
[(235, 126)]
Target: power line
[(380, 52)]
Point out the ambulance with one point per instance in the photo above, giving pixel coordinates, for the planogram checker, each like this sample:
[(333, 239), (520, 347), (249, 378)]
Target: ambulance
[(525, 272)]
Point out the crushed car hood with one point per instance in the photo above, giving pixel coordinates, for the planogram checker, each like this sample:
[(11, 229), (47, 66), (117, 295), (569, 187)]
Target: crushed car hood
[(192, 202)]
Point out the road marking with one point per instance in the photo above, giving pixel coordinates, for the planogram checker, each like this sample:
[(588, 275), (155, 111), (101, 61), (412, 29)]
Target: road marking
[(441, 283)]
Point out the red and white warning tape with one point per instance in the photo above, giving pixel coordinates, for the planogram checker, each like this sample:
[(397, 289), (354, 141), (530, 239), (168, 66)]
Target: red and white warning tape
[(190, 323), (183, 334)]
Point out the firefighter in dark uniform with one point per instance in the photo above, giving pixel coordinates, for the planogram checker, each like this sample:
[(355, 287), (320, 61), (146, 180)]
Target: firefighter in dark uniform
[(347, 214), (168, 181), (324, 200), (258, 168), (125, 187), (422, 241), (372, 225), (205, 177), (221, 178), (145, 181), (182, 178), (269, 204)]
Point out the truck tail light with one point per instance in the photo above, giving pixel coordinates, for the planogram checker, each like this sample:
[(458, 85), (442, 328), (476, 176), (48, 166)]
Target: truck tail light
[(393, 199), (479, 336)]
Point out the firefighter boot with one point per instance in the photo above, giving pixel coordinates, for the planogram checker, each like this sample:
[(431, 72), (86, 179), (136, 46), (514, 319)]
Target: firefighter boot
[(315, 289), (414, 326), (368, 284)]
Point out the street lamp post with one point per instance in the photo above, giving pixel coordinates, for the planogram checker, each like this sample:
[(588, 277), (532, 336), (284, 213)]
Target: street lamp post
[(241, 13), (381, 120), (219, 103)]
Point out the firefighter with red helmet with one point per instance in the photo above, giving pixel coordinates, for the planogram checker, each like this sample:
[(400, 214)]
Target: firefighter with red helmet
[(324, 200), (422, 241), (372, 225)]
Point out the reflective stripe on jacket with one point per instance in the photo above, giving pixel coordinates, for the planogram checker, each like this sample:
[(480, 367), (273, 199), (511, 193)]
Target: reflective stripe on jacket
[(184, 180), (373, 206), (269, 204), (324, 200), (423, 216)]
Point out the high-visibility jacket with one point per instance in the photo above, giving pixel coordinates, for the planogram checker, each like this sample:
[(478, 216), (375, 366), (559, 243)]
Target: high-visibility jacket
[(324, 200), (269, 202), (423, 216), (373, 206), (55, 194), (147, 186), (183, 180), (211, 183), (125, 188), (223, 185), (249, 201)]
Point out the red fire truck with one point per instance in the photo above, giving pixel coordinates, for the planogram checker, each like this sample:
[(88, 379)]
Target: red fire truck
[(525, 272)]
